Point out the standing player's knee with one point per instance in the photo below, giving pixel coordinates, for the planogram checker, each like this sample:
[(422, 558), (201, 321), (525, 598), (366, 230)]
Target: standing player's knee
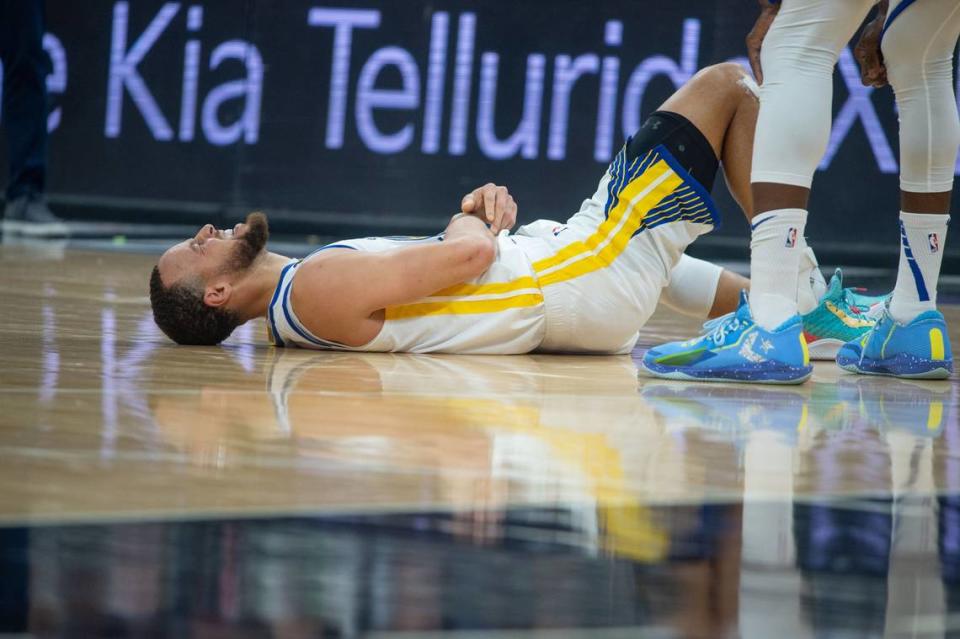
[(911, 67), (922, 79), (898, 57)]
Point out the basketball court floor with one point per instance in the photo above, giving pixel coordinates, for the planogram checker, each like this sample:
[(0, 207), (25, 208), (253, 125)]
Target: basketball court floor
[(245, 491)]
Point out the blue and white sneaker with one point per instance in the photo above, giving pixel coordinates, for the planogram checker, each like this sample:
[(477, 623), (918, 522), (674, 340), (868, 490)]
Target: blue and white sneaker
[(737, 350), (918, 350)]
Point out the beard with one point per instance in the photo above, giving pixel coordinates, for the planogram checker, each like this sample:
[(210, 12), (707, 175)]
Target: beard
[(251, 244)]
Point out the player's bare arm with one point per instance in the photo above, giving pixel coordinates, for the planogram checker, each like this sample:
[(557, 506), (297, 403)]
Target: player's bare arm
[(343, 293)]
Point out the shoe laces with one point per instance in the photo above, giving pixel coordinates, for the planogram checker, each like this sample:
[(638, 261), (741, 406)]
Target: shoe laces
[(711, 324), (723, 326), (872, 312), (848, 299), (875, 312)]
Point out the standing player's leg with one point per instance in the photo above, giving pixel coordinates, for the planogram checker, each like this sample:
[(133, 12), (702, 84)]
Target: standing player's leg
[(918, 44), (793, 127), (764, 341)]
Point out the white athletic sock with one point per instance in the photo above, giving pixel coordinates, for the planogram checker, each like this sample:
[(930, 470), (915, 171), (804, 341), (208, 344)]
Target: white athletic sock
[(810, 283), (922, 236), (775, 251)]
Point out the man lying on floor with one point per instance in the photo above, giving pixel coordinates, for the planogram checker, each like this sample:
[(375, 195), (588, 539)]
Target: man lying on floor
[(584, 286)]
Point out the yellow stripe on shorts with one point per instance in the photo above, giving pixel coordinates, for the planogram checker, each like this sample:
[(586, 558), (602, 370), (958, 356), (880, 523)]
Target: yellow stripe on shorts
[(612, 236)]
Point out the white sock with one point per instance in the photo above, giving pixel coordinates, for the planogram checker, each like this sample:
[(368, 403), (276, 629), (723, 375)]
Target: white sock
[(810, 283), (775, 250), (922, 236)]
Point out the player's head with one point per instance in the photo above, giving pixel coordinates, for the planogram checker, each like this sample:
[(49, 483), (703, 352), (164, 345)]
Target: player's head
[(191, 285)]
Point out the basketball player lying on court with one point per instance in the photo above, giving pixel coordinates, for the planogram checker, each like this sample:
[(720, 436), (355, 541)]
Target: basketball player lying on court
[(584, 286)]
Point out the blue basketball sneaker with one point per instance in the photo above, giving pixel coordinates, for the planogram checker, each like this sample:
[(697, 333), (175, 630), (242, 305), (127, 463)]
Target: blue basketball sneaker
[(918, 350), (736, 350)]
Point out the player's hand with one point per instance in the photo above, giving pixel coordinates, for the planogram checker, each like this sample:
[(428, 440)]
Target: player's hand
[(873, 73), (491, 203), (768, 11)]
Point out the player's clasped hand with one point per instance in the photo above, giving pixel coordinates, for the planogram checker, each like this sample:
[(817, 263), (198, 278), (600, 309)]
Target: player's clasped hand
[(768, 11), (873, 72), (492, 203)]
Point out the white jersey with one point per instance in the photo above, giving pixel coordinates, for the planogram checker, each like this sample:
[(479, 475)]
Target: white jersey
[(500, 312), (585, 286)]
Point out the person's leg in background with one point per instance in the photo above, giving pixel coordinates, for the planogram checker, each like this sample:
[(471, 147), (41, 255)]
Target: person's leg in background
[(917, 46), (25, 68)]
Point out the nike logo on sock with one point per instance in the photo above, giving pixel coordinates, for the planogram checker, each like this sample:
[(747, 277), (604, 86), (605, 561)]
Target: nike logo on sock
[(766, 219)]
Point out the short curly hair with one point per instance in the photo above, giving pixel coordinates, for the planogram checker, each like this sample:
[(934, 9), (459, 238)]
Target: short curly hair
[(180, 312)]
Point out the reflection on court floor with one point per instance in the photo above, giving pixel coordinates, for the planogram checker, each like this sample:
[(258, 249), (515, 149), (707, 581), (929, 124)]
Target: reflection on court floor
[(247, 489)]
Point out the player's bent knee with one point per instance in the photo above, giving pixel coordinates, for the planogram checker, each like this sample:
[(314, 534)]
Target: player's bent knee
[(729, 71), (730, 80), (719, 75)]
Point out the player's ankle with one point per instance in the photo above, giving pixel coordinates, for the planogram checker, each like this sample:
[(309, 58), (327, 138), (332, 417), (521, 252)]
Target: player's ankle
[(905, 311), (770, 310)]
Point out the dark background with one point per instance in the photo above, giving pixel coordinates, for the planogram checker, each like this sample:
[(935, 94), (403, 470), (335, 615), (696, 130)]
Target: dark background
[(309, 188)]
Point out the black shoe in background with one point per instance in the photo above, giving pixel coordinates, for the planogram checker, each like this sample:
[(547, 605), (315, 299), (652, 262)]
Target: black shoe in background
[(29, 216)]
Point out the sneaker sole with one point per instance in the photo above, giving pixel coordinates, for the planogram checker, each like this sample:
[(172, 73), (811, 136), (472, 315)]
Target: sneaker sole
[(685, 377), (825, 349), (882, 370), (936, 373)]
